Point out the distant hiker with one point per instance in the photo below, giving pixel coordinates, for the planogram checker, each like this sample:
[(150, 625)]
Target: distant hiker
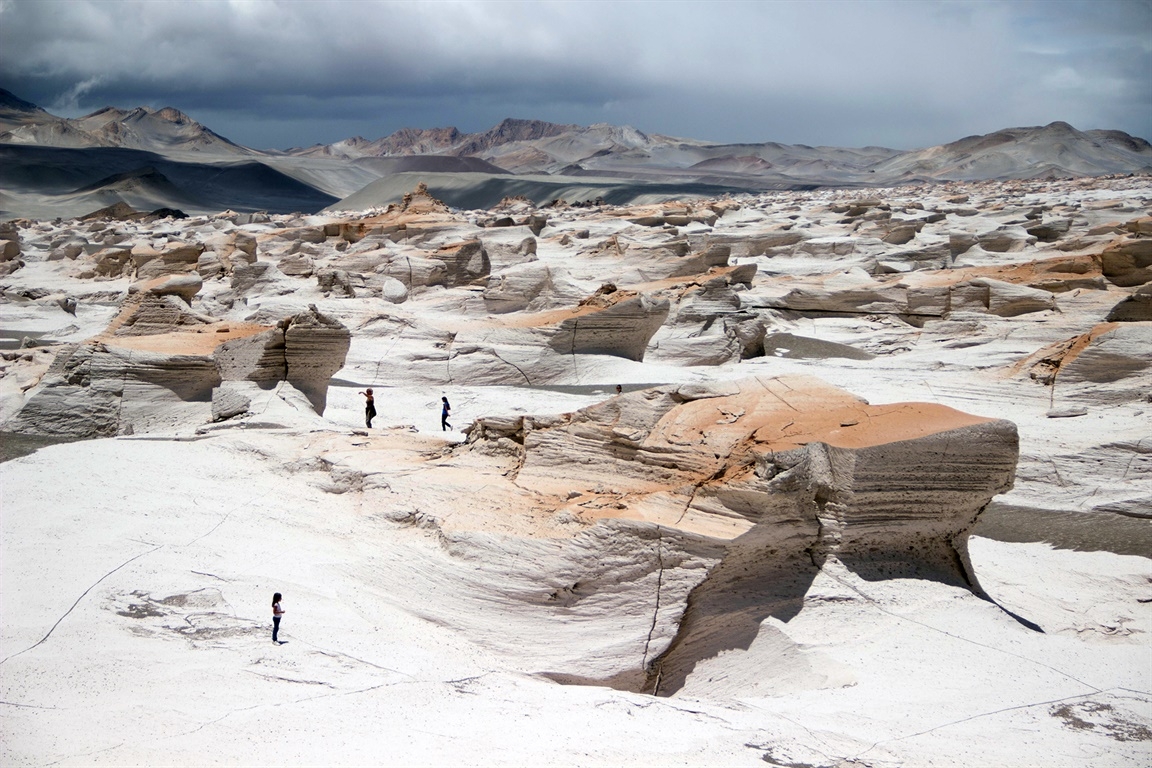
[(619, 389), (444, 425), (369, 407), (277, 612)]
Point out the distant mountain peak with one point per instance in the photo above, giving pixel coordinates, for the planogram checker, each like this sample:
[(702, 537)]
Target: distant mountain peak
[(11, 102)]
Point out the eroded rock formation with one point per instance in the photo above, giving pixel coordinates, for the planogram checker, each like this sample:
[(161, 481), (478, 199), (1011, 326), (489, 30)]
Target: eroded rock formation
[(159, 366), (786, 474)]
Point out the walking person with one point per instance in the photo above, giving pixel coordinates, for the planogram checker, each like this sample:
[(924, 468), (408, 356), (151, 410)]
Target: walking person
[(277, 612), (369, 407), (444, 425)]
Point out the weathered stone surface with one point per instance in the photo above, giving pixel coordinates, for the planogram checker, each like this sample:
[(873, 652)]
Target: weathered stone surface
[(1004, 240), (185, 285), (10, 249), (466, 263), (901, 234), (173, 258), (1134, 308), (245, 247), (146, 313), (1116, 354), (786, 474), (257, 357), (159, 365), (109, 262), (336, 281), (801, 347), (853, 290), (210, 266), (622, 329), (415, 271), (1008, 299), (315, 346), (1128, 262), (391, 289), (297, 265), (248, 277), (229, 400), (1051, 230), (714, 298), (513, 289)]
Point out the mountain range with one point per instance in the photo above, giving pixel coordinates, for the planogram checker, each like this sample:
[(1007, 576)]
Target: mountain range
[(56, 166)]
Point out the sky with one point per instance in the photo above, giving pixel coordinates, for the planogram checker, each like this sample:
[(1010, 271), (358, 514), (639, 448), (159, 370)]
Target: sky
[(282, 73)]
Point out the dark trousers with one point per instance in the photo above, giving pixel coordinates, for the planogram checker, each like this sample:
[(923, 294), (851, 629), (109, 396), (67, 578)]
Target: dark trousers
[(369, 414), (275, 627)]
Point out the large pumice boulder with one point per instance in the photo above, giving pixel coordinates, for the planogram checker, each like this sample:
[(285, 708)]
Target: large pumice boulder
[(1128, 262), (1109, 363), (786, 475), (1134, 308), (514, 289), (158, 367), (466, 263), (618, 323), (315, 347)]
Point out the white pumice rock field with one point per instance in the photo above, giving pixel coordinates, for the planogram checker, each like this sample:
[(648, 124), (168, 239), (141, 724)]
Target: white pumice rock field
[(825, 478)]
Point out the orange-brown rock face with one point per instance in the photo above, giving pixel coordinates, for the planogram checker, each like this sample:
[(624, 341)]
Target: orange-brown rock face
[(159, 364), (787, 472)]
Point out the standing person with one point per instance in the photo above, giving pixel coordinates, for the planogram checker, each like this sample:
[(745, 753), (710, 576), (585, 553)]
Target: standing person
[(277, 612), (369, 407), (444, 425), (619, 389)]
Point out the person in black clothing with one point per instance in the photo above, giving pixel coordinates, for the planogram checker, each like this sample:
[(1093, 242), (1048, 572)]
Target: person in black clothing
[(369, 408), (444, 425), (277, 613)]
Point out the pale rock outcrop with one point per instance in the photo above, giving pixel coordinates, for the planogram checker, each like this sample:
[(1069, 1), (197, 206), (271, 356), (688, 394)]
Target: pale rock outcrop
[(999, 298), (619, 323), (172, 258), (723, 339), (504, 254), (391, 290), (670, 215), (106, 263), (1128, 262), (158, 367), (1109, 363), (1134, 308), (1005, 239), (914, 293), (852, 290), (785, 474), (10, 249), (515, 288), (706, 302), (466, 263), (1119, 356), (338, 282), (415, 271), (254, 277), (1051, 230), (315, 346)]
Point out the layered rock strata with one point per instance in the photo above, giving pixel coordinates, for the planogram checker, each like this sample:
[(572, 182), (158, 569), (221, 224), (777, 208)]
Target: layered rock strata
[(161, 366), (786, 473)]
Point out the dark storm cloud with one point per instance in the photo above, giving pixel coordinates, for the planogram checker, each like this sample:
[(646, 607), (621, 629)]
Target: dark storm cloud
[(899, 74)]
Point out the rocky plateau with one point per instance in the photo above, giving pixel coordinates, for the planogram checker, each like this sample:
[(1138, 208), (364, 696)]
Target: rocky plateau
[(817, 477)]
